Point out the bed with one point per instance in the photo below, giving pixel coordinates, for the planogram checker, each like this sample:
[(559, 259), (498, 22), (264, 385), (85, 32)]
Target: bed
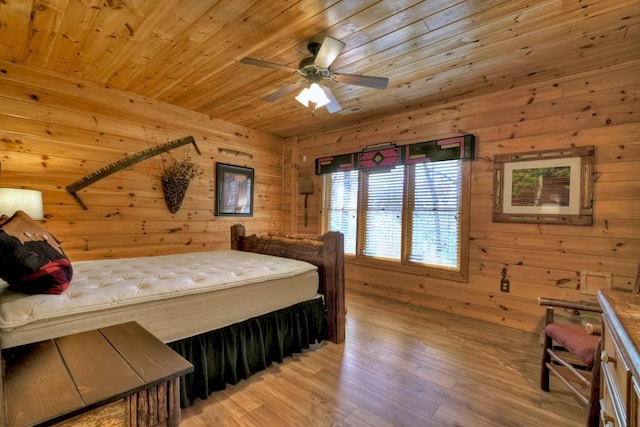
[(231, 313)]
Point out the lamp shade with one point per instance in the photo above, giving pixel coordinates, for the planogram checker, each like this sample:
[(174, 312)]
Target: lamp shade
[(18, 199)]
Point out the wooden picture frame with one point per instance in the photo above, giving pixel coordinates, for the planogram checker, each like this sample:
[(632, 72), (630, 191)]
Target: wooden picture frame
[(234, 190), (544, 187)]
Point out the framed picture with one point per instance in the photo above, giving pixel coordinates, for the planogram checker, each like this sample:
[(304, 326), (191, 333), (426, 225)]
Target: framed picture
[(544, 187), (234, 186)]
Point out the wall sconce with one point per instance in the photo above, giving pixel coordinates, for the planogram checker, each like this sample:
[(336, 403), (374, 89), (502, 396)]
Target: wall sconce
[(14, 199), (314, 94)]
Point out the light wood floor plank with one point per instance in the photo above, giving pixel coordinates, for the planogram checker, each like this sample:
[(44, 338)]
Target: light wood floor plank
[(400, 366)]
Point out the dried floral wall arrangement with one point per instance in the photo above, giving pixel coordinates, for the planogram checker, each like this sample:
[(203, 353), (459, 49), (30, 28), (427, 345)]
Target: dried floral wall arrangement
[(176, 178)]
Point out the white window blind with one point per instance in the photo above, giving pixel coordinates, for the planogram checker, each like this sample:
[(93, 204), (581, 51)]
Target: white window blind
[(382, 214), (341, 206), (435, 217)]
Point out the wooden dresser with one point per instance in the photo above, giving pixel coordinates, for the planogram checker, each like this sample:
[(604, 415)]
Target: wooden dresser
[(620, 359)]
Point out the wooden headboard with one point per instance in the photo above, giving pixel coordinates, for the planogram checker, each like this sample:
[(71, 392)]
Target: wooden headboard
[(326, 252)]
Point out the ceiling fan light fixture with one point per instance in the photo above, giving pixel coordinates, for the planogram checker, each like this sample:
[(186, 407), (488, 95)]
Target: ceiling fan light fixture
[(316, 68), (303, 97), (314, 94)]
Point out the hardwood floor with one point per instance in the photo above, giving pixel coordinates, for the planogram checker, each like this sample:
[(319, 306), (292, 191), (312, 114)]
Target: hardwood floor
[(400, 366)]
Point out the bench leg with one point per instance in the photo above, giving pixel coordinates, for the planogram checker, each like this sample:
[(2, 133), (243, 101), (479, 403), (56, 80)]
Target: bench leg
[(174, 403)]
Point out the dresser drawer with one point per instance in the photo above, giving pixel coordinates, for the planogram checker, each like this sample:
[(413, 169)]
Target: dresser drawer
[(616, 369), (635, 403), (612, 407)]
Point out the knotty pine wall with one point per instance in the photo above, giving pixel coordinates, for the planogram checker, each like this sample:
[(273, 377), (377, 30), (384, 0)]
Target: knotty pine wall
[(599, 108), (55, 130)]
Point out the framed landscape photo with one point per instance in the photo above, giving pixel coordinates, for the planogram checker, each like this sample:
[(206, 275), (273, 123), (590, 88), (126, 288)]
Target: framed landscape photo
[(234, 190), (544, 187)]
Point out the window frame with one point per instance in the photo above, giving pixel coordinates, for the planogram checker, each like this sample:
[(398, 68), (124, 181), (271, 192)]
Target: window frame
[(460, 274)]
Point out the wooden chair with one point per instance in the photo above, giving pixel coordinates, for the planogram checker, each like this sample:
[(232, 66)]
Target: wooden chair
[(571, 352)]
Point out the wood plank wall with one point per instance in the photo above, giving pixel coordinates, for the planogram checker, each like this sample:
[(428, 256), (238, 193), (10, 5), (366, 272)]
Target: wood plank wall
[(55, 130), (599, 108)]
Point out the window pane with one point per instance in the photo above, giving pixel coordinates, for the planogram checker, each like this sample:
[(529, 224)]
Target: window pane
[(435, 218), (341, 206), (383, 214)]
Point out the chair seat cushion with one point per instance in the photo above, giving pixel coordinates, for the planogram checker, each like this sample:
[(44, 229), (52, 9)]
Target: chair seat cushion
[(575, 339)]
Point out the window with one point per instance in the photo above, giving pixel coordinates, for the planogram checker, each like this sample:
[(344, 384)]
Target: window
[(413, 215), (382, 214), (434, 216), (341, 206)]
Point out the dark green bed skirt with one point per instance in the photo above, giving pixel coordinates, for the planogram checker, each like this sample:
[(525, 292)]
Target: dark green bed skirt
[(228, 355)]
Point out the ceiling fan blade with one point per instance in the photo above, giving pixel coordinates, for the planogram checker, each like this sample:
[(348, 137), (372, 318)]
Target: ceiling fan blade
[(282, 92), (366, 81), (333, 104), (260, 63), (328, 52)]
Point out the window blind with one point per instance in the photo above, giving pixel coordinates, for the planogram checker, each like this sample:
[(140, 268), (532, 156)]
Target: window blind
[(341, 206), (382, 214), (435, 215)]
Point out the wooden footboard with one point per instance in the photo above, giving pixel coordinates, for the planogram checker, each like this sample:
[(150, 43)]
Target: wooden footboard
[(326, 252)]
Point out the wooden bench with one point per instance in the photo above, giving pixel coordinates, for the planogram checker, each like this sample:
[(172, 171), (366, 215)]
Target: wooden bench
[(118, 375)]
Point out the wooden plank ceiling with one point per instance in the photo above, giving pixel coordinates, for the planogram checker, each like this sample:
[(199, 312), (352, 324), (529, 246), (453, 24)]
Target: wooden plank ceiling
[(188, 52)]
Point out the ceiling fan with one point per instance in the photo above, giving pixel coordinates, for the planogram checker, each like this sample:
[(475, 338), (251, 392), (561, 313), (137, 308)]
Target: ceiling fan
[(316, 68)]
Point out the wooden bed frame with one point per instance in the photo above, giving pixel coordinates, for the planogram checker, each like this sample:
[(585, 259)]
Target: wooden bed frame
[(326, 252)]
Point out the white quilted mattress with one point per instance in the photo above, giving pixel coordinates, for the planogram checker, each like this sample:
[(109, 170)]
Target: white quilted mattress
[(173, 296)]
